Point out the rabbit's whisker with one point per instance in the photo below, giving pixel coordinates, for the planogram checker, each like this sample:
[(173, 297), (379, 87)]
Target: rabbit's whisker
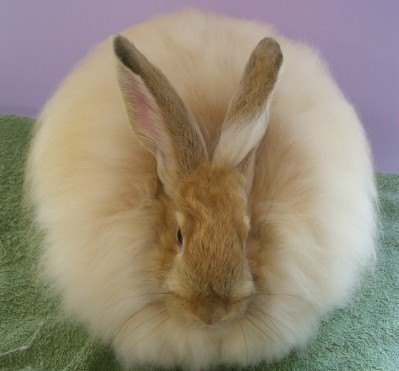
[(149, 319), (148, 333), (151, 294), (245, 341), (271, 204), (142, 271), (263, 293), (269, 318), (278, 331), (257, 327), (143, 309)]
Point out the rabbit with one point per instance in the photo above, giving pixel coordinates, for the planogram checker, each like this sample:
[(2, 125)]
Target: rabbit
[(205, 192)]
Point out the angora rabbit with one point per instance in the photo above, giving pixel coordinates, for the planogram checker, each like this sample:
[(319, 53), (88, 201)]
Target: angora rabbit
[(206, 193)]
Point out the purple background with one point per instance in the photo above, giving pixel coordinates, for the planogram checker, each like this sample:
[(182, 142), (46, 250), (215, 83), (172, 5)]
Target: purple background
[(41, 40)]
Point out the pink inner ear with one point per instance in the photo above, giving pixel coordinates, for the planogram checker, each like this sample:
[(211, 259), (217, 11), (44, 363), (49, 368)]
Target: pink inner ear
[(145, 107), (144, 116)]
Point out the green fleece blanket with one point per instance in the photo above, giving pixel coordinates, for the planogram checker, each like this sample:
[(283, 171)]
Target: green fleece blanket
[(33, 335)]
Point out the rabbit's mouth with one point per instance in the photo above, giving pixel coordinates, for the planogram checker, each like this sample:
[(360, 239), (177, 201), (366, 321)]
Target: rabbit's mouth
[(209, 313)]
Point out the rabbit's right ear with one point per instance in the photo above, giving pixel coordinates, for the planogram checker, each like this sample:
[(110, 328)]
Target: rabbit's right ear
[(157, 115)]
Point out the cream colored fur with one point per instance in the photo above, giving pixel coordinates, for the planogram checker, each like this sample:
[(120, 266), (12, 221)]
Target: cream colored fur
[(91, 182)]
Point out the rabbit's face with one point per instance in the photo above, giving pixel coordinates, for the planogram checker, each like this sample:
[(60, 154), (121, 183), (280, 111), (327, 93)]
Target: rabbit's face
[(203, 260), (210, 282)]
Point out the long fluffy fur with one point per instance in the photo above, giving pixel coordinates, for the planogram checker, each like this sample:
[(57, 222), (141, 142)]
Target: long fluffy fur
[(91, 182)]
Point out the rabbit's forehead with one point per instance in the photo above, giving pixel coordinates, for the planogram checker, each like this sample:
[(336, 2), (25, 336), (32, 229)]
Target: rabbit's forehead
[(216, 220), (210, 193)]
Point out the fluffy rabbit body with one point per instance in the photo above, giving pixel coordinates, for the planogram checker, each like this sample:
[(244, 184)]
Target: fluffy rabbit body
[(236, 214)]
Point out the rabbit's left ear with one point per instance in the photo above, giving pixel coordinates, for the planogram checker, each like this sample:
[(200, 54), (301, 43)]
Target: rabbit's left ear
[(248, 112)]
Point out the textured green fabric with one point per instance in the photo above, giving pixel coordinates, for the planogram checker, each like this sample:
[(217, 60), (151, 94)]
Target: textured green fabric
[(363, 336)]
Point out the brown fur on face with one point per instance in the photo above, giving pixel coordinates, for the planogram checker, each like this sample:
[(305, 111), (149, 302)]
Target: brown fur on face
[(209, 278)]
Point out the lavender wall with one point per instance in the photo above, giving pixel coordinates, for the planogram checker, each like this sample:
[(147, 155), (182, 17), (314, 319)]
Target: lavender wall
[(41, 40)]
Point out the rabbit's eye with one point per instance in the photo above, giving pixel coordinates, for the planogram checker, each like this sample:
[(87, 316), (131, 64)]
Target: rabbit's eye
[(179, 237)]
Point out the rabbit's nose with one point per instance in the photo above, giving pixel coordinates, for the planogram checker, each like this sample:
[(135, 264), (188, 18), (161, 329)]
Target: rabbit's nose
[(211, 314)]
